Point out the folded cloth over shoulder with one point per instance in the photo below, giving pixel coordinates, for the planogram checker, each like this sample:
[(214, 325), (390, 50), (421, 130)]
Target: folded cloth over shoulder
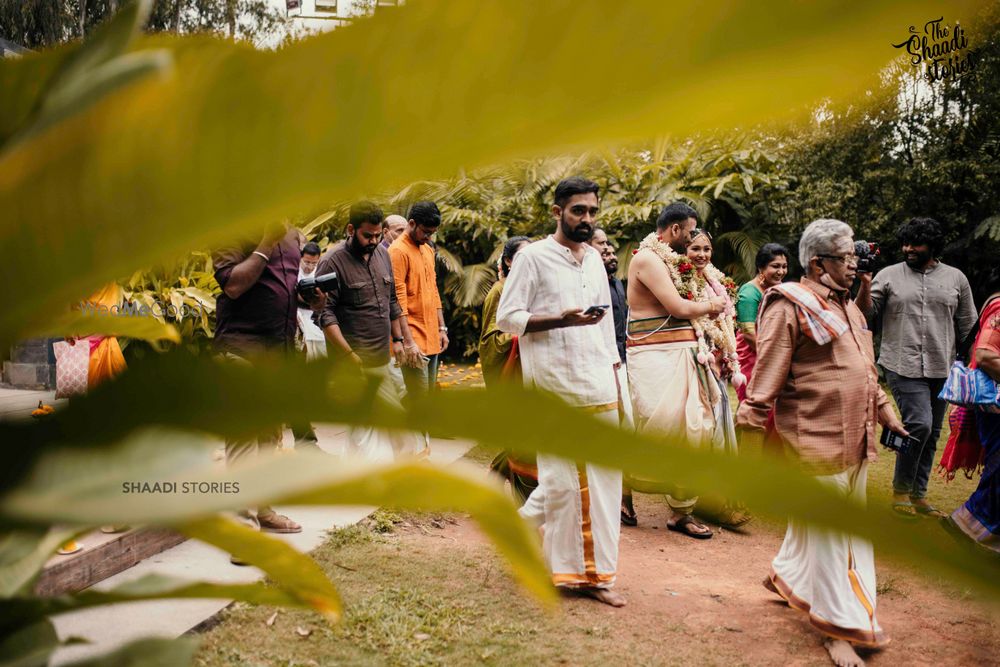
[(816, 319)]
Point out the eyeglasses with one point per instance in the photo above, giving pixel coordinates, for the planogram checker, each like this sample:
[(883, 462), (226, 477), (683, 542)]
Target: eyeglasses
[(845, 259)]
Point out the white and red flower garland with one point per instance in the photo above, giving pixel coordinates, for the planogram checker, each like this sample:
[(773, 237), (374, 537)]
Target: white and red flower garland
[(715, 335)]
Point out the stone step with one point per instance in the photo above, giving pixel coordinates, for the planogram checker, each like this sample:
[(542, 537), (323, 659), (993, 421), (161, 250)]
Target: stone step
[(103, 555)]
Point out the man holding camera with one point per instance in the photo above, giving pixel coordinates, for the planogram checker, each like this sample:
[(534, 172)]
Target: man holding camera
[(256, 314), (924, 309), (361, 319)]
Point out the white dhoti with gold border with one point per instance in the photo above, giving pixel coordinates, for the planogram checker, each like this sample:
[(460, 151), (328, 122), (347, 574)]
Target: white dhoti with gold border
[(580, 504), (831, 575)]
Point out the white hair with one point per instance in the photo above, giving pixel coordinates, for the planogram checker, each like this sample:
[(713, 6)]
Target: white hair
[(820, 238)]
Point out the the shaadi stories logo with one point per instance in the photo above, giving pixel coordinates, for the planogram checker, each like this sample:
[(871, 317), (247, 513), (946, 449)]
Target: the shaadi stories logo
[(942, 51)]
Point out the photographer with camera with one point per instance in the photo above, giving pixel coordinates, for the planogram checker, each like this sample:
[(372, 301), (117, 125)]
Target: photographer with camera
[(256, 315), (923, 308), (361, 320)]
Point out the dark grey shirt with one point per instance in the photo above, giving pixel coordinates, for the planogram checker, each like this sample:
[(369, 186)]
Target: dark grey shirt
[(263, 317), (619, 310), (363, 303), (922, 315)]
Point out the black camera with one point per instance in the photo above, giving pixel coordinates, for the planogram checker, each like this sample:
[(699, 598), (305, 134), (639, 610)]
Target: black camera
[(868, 253), (324, 283)]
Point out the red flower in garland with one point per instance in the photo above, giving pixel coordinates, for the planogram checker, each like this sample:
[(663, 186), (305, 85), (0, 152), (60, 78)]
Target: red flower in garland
[(690, 296), (685, 267)]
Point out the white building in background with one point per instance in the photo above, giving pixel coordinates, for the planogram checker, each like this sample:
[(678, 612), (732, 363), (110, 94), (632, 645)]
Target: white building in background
[(311, 16)]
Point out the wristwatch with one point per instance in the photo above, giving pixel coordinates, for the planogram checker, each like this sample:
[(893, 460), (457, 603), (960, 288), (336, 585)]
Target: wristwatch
[(443, 329), (397, 340)]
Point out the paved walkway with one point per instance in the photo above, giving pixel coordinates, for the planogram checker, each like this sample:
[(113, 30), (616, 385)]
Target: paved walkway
[(111, 626), (18, 403)]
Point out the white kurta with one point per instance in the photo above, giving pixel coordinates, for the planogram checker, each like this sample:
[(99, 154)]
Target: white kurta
[(580, 503), (575, 363)]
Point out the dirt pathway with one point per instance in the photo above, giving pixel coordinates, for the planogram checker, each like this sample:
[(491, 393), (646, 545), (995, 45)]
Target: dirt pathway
[(700, 602)]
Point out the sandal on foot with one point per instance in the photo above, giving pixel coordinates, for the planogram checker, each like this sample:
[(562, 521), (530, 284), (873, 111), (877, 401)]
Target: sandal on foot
[(629, 517), (905, 510), (686, 525), (273, 522), (733, 517), (929, 511)]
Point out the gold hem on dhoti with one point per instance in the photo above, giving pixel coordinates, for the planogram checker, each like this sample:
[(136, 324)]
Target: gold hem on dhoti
[(863, 638)]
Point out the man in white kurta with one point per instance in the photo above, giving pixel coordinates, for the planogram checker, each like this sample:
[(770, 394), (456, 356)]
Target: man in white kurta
[(571, 352)]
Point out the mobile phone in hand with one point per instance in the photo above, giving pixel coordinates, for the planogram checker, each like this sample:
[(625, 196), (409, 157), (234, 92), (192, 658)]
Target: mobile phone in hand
[(896, 442), (594, 310)]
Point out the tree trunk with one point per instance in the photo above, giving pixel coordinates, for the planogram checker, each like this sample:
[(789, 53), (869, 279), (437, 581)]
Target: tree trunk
[(83, 18), (177, 17), (231, 17)]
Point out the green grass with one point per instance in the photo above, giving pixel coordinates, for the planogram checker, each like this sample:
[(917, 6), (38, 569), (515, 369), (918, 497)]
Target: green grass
[(404, 606)]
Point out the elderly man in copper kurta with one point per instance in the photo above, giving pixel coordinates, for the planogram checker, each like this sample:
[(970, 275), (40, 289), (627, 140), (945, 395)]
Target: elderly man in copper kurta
[(816, 367)]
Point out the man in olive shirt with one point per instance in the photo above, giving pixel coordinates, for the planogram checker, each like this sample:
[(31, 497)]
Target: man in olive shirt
[(361, 319), (925, 309)]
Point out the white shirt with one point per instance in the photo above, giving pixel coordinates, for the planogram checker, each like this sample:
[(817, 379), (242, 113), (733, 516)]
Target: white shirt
[(575, 363), (306, 325)]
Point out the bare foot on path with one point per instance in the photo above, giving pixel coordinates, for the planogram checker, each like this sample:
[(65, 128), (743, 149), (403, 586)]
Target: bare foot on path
[(842, 653), (769, 585), (605, 595)]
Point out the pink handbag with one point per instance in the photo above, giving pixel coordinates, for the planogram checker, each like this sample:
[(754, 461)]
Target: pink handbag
[(72, 364)]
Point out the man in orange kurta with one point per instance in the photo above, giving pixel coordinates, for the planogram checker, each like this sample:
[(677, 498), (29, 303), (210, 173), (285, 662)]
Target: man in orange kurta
[(423, 328)]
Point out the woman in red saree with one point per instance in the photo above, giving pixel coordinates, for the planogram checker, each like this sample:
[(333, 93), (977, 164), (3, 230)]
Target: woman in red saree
[(975, 441)]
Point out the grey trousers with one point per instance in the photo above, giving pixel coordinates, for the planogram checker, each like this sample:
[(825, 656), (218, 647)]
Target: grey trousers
[(923, 413)]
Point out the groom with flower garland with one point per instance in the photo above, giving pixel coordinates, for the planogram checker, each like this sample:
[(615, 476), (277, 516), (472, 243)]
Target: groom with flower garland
[(665, 319)]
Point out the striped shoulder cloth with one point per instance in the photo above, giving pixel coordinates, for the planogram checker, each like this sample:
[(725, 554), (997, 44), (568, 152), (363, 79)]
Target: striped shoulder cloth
[(816, 319)]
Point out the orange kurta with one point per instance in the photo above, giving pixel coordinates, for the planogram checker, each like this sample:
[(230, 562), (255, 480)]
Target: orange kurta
[(416, 291)]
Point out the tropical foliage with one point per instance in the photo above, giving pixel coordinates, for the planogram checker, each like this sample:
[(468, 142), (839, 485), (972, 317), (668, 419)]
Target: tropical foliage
[(912, 149), (43, 23), (728, 179), (118, 154)]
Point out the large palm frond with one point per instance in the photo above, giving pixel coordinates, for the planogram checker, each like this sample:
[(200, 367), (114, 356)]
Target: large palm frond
[(449, 261), (744, 243), (469, 286)]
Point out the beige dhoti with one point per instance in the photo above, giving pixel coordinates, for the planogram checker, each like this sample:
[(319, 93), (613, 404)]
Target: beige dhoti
[(672, 394), (378, 445)]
